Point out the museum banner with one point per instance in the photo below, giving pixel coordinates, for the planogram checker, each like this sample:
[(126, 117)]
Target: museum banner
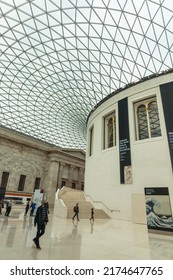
[(167, 101), (124, 143)]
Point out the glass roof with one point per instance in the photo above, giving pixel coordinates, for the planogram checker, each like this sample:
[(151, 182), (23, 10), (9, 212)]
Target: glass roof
[(60, 58)]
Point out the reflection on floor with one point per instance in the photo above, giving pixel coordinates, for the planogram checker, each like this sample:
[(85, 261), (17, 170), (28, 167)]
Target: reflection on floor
[(64, 239)]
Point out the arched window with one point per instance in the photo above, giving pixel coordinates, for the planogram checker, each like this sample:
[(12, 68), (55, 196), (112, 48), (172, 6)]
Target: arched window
[(147, 119), (109, 131)]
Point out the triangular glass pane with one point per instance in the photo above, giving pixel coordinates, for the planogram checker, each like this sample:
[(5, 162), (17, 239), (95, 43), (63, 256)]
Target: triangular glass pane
[(68, 17), (110, 20), (144, 12), (38, 10), (153, 8)]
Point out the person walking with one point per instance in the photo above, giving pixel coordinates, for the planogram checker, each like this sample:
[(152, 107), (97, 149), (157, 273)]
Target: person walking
[(76, 212), (41, 220), (27, 208), (1, 206), (8, 208), (92, 214), (33, 206)]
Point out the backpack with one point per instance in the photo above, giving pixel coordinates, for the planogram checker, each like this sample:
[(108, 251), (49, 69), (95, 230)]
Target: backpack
[(74, 208)]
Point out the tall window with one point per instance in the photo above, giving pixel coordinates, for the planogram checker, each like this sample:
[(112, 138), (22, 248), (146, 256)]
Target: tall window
[(21, 182), (147, 119), (91, 138), (37, 183), (4, 180), (109, 131), (63, 183)]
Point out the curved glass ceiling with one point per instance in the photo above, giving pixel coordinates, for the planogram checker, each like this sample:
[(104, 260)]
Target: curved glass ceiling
[(59, 58)]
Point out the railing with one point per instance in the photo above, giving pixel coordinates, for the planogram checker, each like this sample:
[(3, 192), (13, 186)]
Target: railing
[(101, 203)]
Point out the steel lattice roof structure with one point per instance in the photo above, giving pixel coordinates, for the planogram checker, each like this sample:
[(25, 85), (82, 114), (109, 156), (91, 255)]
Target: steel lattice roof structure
[(60, 58)]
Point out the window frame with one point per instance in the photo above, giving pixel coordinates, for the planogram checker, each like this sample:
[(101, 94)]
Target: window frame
[(146, 102), (91, 140), (4, 179), (37, 183), (21, 184), (106, 143)]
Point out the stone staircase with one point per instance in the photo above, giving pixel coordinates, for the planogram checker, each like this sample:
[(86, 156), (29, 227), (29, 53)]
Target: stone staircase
[(72, 196)]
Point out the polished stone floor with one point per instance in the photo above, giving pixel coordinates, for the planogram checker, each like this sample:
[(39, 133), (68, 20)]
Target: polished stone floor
[(67, 240)]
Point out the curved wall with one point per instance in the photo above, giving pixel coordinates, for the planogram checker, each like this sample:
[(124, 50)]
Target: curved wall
[(150, 158)]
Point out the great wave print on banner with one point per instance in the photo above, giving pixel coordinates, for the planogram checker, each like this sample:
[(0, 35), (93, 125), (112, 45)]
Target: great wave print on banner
[(158, 209)]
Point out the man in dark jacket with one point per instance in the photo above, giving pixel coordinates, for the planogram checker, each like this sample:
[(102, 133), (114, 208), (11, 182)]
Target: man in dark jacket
[(76, 212), (41, 219)]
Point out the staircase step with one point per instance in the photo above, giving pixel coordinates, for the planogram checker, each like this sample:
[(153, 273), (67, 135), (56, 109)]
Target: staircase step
[(98, 214), (72, 196)]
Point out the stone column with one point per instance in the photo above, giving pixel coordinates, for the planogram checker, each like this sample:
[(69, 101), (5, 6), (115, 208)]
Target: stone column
[(70, 177), (51, 178), (60, 174), (80, 176)]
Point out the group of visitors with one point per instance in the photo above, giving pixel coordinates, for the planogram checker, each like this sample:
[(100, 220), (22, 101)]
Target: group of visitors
[(41, 220), (9, 204), (29, 205), (41, 216), (33, 206), (76, 213)]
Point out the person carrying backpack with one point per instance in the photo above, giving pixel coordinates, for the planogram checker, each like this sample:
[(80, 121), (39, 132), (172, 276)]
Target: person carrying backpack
[(76, 212)]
